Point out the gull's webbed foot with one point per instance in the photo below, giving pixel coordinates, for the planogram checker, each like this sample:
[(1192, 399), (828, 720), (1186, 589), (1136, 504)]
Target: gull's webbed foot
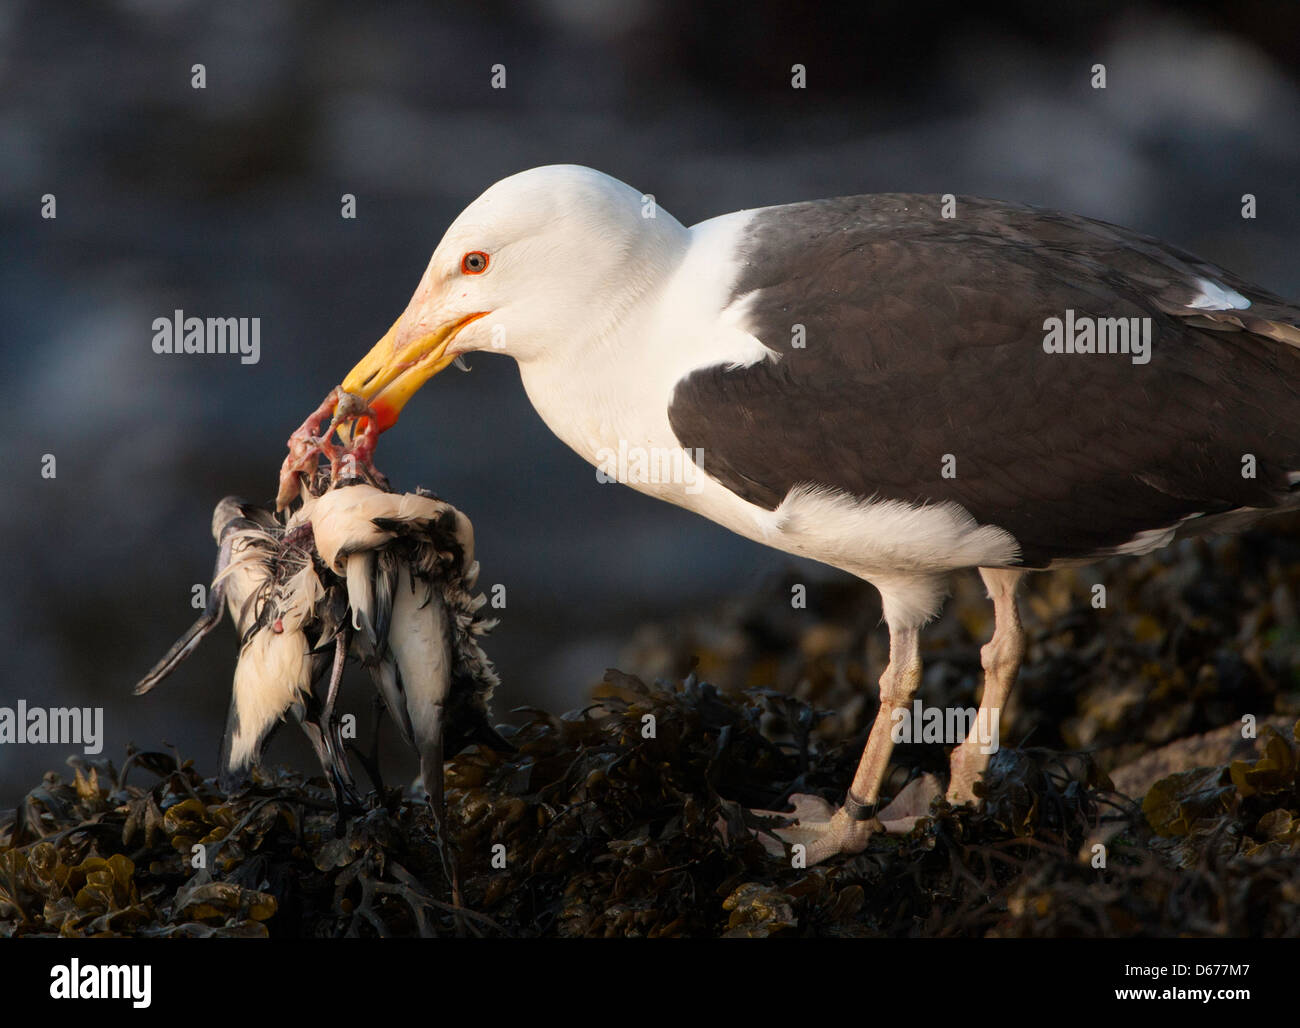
[(825, 831), (822, 830)]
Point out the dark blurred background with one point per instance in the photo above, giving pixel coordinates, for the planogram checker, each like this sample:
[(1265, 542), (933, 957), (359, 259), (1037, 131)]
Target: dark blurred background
[(225, 201)]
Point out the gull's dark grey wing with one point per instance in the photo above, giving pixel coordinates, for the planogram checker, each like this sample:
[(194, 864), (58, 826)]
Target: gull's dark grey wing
[(921, 337)]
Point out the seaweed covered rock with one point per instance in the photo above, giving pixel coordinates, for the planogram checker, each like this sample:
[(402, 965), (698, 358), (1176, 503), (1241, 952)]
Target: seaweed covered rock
[(1129, 796), (629, 818)]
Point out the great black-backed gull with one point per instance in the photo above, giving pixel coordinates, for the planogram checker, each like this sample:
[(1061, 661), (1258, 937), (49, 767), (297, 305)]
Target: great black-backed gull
[(900, 386)]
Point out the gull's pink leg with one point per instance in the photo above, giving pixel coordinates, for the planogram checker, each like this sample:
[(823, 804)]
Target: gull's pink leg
[(1001, 658), (823, 831)]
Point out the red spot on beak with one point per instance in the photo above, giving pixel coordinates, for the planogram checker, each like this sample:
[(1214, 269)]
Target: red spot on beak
[(385, 415)]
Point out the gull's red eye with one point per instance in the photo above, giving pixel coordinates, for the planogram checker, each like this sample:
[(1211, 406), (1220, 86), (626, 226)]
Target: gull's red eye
[(474, 263)]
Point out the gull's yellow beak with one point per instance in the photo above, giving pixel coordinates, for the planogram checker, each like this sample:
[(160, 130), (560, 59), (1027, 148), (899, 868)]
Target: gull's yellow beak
[(397, 365)]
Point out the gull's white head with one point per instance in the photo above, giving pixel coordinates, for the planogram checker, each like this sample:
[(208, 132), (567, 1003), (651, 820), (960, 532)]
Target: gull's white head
[(542, 264)]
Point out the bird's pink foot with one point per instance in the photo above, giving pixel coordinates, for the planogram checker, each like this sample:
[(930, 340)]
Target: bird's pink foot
[(355, 459), (824, 831), (304, 452), (345, 415), (910, 805), (818, 832)]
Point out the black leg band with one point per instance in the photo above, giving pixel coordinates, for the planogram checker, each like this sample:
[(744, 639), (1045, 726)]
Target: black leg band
[(857, 810)]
